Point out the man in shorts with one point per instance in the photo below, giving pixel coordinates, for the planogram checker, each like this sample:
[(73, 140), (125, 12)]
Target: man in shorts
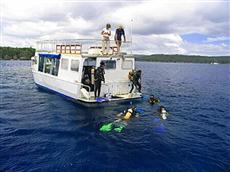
[(106, 33)]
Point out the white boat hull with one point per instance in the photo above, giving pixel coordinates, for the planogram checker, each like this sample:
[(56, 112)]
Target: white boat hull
[(72, 90), (53, 83)]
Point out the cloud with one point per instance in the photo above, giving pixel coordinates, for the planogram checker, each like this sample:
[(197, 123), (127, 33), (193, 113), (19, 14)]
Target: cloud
[(182, 17), (174, 44), (206, 49), (158, 26), (218, 39), (30, 29), (159, 44)]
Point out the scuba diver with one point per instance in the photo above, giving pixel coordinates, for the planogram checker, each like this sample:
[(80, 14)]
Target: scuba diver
[(162, 112), (119, 124), (127, 114), (153, 100), (99, 76), (135, 78)]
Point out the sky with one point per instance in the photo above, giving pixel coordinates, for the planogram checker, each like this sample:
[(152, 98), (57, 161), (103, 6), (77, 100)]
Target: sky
[(191, 27)]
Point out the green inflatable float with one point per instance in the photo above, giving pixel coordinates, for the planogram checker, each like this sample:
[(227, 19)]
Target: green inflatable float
[(106, 127), (111, 126), (119, 129)]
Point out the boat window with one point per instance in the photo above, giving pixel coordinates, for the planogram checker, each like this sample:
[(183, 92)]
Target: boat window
[(64, 64), (75, 65), (41, 64), (110, 64), (48, 65), (55, 67), (90, 62), (127, 64)]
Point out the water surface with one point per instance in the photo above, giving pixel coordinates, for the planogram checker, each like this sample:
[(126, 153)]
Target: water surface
[(40, 131)]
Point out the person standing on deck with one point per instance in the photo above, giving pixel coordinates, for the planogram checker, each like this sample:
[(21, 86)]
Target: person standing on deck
[(106, 33), (119, 32), (99, 76)]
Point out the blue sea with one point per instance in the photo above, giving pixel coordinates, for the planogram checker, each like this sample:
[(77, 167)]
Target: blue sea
[(41, 131)]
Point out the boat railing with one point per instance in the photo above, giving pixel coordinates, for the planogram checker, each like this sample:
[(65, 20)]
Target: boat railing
[(81, 47), (84, 86)]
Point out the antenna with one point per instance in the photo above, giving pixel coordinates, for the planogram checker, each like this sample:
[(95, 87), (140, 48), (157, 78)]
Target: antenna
[(131, 36)]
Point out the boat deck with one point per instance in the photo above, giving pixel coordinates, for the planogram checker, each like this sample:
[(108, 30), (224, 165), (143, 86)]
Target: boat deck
[(119, 97)]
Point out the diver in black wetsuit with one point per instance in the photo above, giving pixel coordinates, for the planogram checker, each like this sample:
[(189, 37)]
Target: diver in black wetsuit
[(153, 100), (136, 81), (99, 76)]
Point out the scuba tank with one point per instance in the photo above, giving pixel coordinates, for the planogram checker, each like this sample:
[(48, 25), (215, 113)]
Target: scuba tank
[(131, 75), (128, 114), (92, 76)]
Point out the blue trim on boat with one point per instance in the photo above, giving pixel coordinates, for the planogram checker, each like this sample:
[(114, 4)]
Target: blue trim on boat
[(55, 56), (55, 92)]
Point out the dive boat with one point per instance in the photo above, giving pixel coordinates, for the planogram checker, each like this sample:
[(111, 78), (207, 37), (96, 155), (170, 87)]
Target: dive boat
[(61, 65)]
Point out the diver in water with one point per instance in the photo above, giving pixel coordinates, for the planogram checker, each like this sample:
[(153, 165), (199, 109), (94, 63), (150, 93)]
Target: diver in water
[(123, 118), (119, 124), (153, 100), (162, 112), (127, 114)]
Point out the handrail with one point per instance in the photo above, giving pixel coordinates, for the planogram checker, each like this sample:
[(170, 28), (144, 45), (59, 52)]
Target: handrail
[(79, 46), (72, 40), (83, 85)]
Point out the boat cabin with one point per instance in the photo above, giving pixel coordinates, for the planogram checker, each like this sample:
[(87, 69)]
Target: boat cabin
[(69, 69)]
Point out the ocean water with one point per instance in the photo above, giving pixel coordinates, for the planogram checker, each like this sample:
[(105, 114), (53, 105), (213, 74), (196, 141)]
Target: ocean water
[(41, 131)]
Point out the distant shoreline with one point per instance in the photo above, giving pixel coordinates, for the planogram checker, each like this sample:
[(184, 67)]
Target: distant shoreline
[(11, 53), (183, 59)]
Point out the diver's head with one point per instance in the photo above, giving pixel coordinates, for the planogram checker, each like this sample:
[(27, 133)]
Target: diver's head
[(162, 108), (131, 109), (152, 96), (102, 64)]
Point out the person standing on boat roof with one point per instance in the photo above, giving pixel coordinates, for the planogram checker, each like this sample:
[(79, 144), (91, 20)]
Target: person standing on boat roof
[(106, 33), (99, 76), (119, 32)]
